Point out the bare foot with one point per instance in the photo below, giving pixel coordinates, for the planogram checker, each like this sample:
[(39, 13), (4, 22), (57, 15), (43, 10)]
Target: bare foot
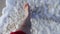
[(24, 26), (27, 14), (27, 10)]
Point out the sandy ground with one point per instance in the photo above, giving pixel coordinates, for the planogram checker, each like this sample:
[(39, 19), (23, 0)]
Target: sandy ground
[(45, 18), (2, 4)]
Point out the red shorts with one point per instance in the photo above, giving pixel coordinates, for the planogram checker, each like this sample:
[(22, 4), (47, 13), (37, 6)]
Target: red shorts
[(18, 32)]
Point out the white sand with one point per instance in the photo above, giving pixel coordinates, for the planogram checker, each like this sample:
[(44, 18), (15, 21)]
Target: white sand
[(44, 20)]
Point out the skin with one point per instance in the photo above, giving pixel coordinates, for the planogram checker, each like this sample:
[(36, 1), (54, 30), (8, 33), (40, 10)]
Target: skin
[(27, 14), (25, 27)]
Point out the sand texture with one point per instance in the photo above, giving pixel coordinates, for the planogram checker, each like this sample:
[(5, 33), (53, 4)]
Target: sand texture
[(45, 16)]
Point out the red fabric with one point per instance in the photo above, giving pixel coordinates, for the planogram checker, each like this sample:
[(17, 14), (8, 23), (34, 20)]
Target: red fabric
[(18, 32)]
